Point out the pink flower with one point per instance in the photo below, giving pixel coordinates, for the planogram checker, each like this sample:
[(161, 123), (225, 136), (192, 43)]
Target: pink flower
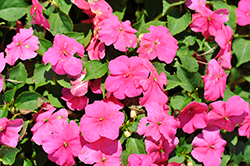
[(124, 72), (36, 13), (74, 102), (226, 115), (117, 33), (62, 147), (157, 123), (96, 49), (101, 119), (215, 81), (208, 146), (61, 55), (209, 22), (140, 160), (1, 83), (195, 4), (243, 12), (193, 116), (244, 128), (224, 38), (2, 61), (160, 150), (9, 131), (158, 43), (103, 152), (47, 122), (22, 46)]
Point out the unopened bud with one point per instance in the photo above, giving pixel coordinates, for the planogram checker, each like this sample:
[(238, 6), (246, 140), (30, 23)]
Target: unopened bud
[(133, 114), (127, 133)]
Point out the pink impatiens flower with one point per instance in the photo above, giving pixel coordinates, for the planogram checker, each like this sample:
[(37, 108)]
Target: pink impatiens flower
[(2, 61), (244, 128), (215, 81), (47, 122), (124, 72), (243, 12), (121, 35), (61, 55), (36, 13), (157, 123), (96, 49), (208, 146), (158, 43), (9, 131), (140, 160), (64, 145), (193, 116), (23, 46), (226, 115), (195, 4), (103, 152), (101, 119)]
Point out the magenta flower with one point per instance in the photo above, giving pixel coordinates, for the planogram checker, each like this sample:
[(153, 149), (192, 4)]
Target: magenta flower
[(243, 12), (36, 13), (61, 55), (157, 123), (9, 131), (47, 122), (140, 160), (160, 150), (121, 35), (2, 61), (101, 119), (103, 152), (208, 146), (74, 102), (158, 43), (96, 49), (62, 147), (226, 115), (124, 72), (195, 4), (193, 116), (215, 81), (22, 46), (209, 22), (244, 128)]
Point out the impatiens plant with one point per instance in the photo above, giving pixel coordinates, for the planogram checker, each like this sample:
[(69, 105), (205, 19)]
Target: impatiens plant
[(124, 82)]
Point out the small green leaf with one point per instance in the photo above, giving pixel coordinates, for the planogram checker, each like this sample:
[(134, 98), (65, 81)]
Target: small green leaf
[(27, 100), (167, 5), (64, 5), (64, 81), (224, 160), (44, 46), (60, 23), (178, 102), (43, 74), (19, 74), (189, 62), (54, 101), (173, 81), (12, 10), (76, 35), (95, 69), (247, 154), (160, 67), (3, 112), (137, 145), (8, 96), (8, 154), (133, 126), (177, 159), (176, 22), (241, 48)]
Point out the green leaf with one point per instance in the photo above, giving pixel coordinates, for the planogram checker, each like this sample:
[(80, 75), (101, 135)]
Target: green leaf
[(232, 14), (95, 69), (224, 160), (76, 35), (145, 27), (17, 73), (60, 23), (64, 81), (8, 154), (133, 126), (247, 154), (54, 101), (27, 100), (138, 25), (241, 48), (12, 10), (3, 112), (153, 8), (43, 75), (44, 46), (137, 145), (177, 159), (125, 155), (190, 80), (173, 81), (178, 102), (167, 5), (189, 62), (227, 94), (119, 14), (160, 67), (24, 129), (177, 22), (8, 96), (64, 5)]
